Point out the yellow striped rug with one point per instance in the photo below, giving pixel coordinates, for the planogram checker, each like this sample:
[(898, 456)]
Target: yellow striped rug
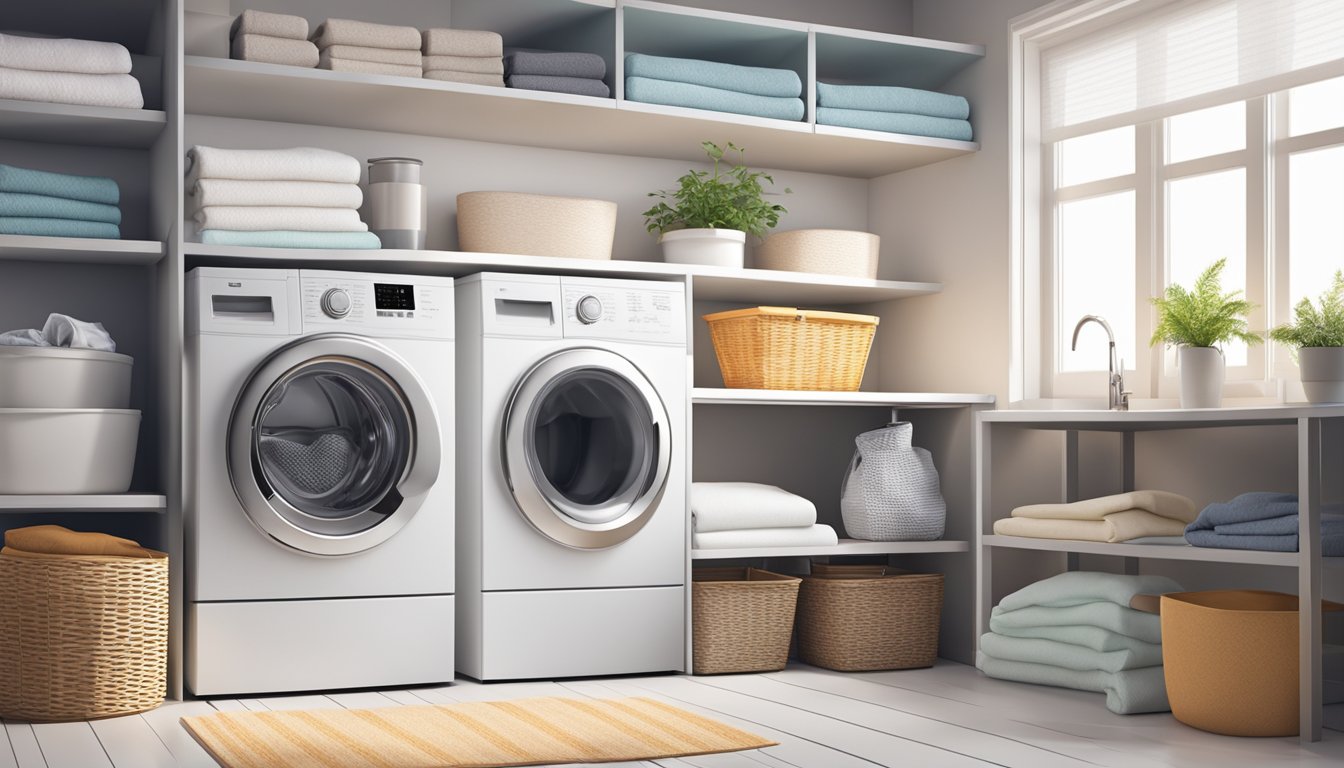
[(482, 734)]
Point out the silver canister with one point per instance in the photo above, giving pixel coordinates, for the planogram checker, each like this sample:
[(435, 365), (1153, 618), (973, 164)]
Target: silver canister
[(398, 205)]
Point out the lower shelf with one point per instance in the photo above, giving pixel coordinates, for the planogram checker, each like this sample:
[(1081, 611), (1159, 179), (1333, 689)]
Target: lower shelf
[(845, 547), (1155, 551), (110, 502)]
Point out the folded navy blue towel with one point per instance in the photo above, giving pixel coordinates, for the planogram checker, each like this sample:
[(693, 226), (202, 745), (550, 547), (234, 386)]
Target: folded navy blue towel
[(531, 61), (1264, 521)]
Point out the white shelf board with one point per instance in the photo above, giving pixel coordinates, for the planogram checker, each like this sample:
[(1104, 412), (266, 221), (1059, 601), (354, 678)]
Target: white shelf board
[(79, 250), (77, 124), (1153, 551), (114, 502), (770, 286), (845, 547), (720, 396), (1173, 418)]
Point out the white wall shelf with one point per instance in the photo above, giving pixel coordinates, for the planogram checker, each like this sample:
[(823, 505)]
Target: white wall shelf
[(774, 287), (80, 125), (79, 250), (1157, 551), (115, 502), (845, 547), (721, 396), (1142, 420)]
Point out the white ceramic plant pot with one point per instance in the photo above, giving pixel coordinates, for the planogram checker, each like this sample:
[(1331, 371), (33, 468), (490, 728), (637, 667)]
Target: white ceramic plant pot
[(1322, 373), (715, 247), (1202, 373)]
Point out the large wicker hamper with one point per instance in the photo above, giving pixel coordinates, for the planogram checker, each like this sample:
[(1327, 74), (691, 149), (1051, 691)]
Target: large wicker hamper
[(741, 620), (795, 349), (854, 620)]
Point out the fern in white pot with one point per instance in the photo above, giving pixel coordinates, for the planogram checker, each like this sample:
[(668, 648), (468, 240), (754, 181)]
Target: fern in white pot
[(1317, 334)]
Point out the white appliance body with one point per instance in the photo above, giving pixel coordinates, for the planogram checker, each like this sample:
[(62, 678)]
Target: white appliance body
[(572, 522), (319, 517)]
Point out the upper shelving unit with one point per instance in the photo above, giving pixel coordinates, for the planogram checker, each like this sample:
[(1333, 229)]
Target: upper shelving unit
[(80, 125), (719, 396), (79, 250), (845, 547)]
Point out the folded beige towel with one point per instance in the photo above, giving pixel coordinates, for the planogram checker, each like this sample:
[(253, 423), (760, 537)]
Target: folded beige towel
[(366, 67), (380, 55), (294, 164), (71, 88), (462, 42), (472, 78), (367, 34), (275, 50), (484, 65), (1114, 528), (56, 540), (1161, 503), (284, 25), (266, 218)]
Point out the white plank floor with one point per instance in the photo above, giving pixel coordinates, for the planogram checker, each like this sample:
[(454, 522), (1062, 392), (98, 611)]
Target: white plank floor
[(950, 715)]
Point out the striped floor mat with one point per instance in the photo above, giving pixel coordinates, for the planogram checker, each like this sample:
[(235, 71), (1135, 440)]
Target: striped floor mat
[(480, 734)]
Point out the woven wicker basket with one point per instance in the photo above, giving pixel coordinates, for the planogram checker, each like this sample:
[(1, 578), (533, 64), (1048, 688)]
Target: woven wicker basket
[(82, 636), (535, 225), (822, 251), (786, 348), (856, 621), (741, 620)]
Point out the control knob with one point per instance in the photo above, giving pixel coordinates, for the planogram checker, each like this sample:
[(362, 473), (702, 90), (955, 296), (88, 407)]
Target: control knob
[(589, 310), (336, 303)]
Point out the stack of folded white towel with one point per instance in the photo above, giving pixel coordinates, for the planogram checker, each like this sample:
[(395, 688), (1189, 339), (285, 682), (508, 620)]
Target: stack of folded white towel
[(272, 38), (66, 71), (372, 49), (279, 198), (1138, 516), (1078, 630), (464, 56), (735, 515)]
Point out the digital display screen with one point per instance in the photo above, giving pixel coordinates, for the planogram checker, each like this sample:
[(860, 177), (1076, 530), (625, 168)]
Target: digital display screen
[(393, 296)]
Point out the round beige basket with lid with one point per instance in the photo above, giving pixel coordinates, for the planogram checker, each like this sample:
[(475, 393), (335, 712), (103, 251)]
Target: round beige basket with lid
[(843, 252), (535, 225)]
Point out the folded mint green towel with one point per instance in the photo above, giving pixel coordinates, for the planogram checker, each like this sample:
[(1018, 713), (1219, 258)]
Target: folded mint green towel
[(1079, 587), (896, 122), (1095, 638), (1067, 655), (46, 207), (283, 238), (883, 98), (93, 189), (758, 81), (1131, 692), (1116, 618), (35, 225), (673, 94)]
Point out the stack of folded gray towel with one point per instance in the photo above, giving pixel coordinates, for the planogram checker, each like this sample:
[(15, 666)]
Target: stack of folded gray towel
[(65, 71), (758, 91), (894, 110), (272, 38), (470, 56), (345, 45), (557, 71), (1265, 521)]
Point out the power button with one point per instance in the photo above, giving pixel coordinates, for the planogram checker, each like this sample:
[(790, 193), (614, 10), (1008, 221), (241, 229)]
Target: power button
[(589, 310)]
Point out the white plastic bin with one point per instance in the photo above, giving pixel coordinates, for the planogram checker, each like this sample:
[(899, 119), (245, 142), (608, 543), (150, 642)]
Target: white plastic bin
[(67, 451), (60, 377)]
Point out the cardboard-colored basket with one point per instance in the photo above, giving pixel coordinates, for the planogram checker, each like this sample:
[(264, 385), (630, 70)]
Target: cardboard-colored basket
[(843, 252), (535, 225)]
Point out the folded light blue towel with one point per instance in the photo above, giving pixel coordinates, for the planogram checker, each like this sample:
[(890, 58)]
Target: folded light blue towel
[(1067, 655), (47, 207), (93, 189), (1130, 692), (896, 122), (883, 98), (758, 81), (1263, 521), (293, 239), (530, 61), (1080, 587), (35, 225), (1095, 638), (675, 94), (1116, 618)]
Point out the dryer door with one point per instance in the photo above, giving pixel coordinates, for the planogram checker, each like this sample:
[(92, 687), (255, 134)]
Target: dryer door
[(332, 444), (586, 448)]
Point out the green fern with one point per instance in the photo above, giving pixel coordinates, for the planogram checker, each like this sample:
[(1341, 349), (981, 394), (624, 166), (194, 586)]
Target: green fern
[(1312, 327), (732, 199), (1203, 316)]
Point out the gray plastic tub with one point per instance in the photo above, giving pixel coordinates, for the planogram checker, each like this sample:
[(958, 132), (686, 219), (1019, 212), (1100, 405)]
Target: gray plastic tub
[(60, 377), (67, 451)]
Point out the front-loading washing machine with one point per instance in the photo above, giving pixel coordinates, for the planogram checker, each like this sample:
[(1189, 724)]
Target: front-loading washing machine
[(572, 521), (319, 502)]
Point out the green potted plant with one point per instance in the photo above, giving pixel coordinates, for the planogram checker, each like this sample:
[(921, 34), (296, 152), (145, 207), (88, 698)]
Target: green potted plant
[(707, 218), (1196, 321), (1317, 334)]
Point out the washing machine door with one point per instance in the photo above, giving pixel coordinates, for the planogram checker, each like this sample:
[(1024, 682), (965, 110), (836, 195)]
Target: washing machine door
[(586, 448), (332, 444)]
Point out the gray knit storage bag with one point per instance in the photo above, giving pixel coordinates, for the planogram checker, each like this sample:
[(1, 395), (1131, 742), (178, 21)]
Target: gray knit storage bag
[(891, 491)]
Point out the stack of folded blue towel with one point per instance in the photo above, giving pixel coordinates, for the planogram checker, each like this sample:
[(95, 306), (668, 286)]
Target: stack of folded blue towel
[(894, 110), (557, 71), (1077, 630), (1263, 521), (58, 204), (757, 91)]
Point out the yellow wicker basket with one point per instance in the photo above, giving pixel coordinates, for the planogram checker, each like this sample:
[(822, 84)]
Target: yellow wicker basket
[(855, 620), (82, 636), (787, 348), (741, 620)]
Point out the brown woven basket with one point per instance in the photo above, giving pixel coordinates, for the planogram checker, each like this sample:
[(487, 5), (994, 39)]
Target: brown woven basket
[(857, 622), (741, 620), (787, 348), (82, 636)]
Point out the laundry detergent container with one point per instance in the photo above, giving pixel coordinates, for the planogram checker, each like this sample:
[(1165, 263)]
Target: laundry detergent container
[(535, 225), (67, 450), (61, 377)]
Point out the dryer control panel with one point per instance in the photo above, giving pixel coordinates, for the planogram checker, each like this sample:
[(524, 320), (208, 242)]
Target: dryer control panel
[(381, 305), (621, 310)]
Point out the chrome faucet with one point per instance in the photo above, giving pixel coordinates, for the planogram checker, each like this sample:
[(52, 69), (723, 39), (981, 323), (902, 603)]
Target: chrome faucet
[(1117, 398)]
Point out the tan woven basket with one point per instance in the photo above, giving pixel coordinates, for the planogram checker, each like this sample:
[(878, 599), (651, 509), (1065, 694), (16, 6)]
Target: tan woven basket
[(786, 348), (853, 622), (844, 252), (82, 636), (741, 620), (535, 225)]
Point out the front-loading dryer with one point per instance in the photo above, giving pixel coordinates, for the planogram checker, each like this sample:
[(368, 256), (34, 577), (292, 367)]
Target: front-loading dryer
[(572, 519), (319, 506)]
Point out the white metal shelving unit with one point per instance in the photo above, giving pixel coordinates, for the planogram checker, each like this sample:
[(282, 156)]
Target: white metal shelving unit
[(81, 125), (112, 502), (845, 547), (80, 250)]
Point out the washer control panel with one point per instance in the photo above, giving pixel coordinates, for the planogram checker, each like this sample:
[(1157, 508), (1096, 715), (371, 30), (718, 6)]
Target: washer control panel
[(624, 310), (377, 304)]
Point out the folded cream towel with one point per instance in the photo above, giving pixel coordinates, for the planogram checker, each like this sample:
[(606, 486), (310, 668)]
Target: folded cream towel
[(366, 67), (284, 25), (472, 78), (733, 506), (274, 50), (312, 194), (47, 54), (364, 33), (811, 536), (265, 218), (71, 88), (1162, 503), (296, 164), (380, 55), (1114, 528), (484, 65), (56, 540), (462, 42)]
